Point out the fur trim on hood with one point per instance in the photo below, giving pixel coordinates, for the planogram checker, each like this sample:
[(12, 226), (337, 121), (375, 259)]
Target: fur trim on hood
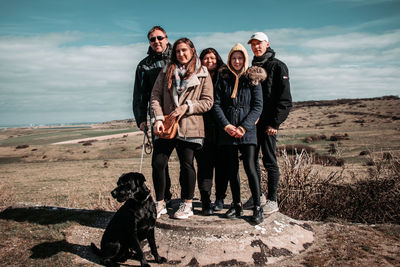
[(238, 47), (256, 75)]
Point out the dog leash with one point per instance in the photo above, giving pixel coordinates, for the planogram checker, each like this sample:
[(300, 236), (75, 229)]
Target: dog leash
[(146, 146)]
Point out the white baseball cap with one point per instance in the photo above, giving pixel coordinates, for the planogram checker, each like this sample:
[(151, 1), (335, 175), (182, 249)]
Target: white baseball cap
[(260, 36)]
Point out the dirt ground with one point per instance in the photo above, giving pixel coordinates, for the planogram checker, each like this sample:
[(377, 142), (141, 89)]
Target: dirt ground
[(81, 175)]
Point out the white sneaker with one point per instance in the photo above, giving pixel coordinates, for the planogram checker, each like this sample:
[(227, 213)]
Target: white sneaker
[(161, 208), (249, 205), (184, 211), (263, 200), (271, 207)]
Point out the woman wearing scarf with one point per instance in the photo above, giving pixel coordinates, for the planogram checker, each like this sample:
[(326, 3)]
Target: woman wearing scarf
[(238, 105), (183, 90)]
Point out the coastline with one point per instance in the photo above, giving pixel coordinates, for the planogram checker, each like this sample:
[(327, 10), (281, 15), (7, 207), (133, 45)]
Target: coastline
[(296, 104)]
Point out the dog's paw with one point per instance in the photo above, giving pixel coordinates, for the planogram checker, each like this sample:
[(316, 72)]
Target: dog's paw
[(161, 260)]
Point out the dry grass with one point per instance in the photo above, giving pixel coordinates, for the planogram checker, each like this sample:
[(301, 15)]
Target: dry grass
[(81, 176), (306, 194)]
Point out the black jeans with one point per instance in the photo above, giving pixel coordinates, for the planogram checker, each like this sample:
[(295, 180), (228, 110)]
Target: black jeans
[(187, 176), (231, 167), (267, 143)]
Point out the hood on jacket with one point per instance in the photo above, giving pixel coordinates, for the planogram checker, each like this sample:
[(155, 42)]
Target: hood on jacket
[(238, 47)]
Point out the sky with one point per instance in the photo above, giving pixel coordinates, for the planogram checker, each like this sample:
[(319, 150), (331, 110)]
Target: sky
[(74, 61)]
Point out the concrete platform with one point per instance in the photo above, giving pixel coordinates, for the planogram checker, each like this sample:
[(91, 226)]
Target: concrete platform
[(217, 241)]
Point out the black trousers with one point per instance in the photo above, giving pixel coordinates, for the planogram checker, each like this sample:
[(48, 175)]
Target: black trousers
[(167, 193), (267, 144), (187, 176), (231, 168), (209, 160)]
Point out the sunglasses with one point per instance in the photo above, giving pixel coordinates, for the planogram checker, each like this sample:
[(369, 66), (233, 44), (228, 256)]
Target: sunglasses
[(159, 38)]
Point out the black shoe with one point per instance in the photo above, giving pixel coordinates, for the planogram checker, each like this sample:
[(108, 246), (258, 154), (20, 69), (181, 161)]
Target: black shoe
[(207, 210), (258, 215), (235, 211), (218, 204)]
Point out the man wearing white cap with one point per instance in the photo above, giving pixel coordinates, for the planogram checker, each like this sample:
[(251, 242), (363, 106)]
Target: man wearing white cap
[(276, 106)]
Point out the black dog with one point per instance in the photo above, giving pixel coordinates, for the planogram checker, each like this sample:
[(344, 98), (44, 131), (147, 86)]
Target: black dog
[(132, 223)]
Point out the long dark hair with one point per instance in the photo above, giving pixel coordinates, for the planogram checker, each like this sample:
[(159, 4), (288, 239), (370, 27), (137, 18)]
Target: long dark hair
[(209, 50), (191, 66)]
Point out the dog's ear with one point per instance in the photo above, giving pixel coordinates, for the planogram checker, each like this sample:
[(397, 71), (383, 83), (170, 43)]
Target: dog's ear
[(125, 177), (140, 178)]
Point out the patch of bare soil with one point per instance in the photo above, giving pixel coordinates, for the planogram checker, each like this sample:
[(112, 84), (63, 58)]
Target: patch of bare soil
[(343, 244)]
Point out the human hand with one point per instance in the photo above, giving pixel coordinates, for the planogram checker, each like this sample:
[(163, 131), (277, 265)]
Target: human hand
[(271, 131), (143, 126), (158, 127), (230, 129), (178, 111), (238, 133)]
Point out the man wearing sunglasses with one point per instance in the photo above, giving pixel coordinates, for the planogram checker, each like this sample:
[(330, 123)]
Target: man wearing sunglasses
[(159, 53)]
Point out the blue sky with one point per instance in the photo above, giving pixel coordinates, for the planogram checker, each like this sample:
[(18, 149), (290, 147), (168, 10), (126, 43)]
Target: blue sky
[(74, 61)]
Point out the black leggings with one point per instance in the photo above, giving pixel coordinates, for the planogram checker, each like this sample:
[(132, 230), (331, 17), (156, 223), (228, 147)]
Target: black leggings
[(231, 167), (187, 176)]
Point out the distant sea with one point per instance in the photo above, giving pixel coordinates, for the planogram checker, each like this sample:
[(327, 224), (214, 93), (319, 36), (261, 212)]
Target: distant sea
[(6, 126)]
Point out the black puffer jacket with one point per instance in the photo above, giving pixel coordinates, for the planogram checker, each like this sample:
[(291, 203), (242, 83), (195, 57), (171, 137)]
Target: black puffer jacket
[(145, 77), (277, 98)]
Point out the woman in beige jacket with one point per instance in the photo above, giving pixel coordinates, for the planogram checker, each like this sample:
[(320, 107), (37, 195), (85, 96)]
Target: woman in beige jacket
[(184, 89)]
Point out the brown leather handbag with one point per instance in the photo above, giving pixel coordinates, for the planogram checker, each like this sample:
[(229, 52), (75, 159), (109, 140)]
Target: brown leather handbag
[(170, 127)]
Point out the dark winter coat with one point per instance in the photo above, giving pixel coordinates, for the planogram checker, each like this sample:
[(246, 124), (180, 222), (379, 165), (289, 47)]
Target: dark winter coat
[(210, 124), (243, 110), (277, 98), (146, 74)]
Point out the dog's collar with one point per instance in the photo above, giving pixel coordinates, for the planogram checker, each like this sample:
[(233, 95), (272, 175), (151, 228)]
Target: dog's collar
[(144, 200)]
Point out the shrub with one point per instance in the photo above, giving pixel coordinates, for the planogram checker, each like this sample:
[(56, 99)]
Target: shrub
[(338, 137), (294, 149), (307, 195), (326, 160), (314, 138)]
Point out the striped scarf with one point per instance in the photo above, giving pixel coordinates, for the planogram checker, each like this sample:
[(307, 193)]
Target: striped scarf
[(180, 83)]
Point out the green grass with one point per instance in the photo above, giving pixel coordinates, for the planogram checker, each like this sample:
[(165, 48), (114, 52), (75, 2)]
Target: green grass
[(49, 136)]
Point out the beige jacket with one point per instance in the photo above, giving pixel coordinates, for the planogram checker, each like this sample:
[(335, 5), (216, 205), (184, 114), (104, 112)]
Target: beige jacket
[(199, 96)]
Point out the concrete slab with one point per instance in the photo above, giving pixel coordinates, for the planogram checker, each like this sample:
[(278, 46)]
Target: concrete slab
[(217, 241)]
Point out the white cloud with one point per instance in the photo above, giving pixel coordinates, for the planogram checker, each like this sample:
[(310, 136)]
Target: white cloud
[(43, 74), (44, 79)]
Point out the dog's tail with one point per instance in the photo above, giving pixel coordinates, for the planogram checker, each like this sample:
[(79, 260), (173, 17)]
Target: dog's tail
[(95, 249)]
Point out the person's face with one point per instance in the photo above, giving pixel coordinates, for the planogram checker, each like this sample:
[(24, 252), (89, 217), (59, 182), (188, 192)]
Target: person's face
[(259, 47), (237, 60), (210, 61), (156, 44), (183, 53)]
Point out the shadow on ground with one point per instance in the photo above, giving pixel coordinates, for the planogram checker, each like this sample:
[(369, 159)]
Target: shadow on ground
[(46, 215)]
